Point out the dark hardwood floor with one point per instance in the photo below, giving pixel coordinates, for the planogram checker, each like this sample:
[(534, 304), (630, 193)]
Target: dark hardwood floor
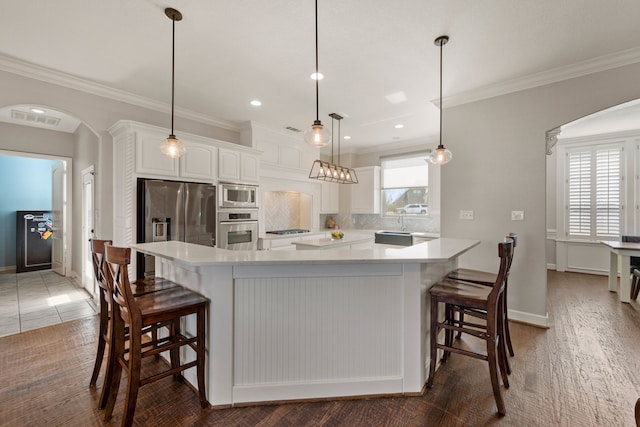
[(583, 371)]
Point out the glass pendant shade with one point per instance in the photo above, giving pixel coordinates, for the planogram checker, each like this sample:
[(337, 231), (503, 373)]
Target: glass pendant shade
[(317, 135), (440, 156), (172, 147)]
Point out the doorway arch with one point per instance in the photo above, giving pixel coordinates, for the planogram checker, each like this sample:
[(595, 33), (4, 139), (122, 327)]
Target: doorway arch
[(56, 134)]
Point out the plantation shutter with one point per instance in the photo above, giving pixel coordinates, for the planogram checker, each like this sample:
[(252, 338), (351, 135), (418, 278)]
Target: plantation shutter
[(608, 186), (594, 191), (579, 196)]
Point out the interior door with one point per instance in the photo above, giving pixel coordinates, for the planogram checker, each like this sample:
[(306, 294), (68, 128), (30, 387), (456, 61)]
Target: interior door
[(88, 279), (58, 211)]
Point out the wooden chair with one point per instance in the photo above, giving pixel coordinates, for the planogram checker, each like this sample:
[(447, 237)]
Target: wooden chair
[(97, 255), (635, 284), (470, 295), (638, 413), (488, 279), (635, 264), (139, 287), (166, 307)]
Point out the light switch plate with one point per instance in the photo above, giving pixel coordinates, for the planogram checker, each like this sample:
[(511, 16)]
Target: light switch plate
[(517, 215), (466, 215)]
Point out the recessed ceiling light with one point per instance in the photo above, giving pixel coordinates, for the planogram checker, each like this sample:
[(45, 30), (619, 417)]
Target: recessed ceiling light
[(347, 137), (399, 126), (256, 103), (317, 76), (38, 110)]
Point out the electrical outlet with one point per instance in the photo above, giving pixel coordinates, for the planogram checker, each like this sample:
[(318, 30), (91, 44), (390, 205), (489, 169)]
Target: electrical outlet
[(517, 215), (466, 215)]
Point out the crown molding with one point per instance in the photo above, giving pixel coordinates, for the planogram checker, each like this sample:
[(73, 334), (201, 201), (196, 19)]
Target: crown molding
[(590, 66), (600, 137), (47, 75)]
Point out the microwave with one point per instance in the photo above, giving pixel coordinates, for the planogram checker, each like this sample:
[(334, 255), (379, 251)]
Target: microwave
[(237, 195)]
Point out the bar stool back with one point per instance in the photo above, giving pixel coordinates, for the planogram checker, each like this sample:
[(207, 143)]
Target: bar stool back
[(97, 255), (470, 295), (166, 307)]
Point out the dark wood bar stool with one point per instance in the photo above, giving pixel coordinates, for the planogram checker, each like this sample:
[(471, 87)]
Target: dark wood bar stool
[(139, 287), (488, 279), (97, 255), (479, 297), (166, 307)]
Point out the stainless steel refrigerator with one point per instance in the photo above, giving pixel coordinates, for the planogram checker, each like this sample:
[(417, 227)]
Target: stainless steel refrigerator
[(173, 210)]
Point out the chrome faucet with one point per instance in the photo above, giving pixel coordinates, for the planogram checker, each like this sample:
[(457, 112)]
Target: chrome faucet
[(401, 221)]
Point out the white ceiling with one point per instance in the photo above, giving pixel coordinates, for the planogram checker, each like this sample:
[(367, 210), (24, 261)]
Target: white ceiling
[(229, 52)]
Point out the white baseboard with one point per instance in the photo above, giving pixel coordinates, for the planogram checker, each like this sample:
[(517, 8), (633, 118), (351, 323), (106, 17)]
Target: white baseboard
[(551, 266), (529, 318), (587, 271)]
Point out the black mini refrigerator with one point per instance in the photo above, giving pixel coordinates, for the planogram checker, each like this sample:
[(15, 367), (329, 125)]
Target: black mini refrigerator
[(33, 240)]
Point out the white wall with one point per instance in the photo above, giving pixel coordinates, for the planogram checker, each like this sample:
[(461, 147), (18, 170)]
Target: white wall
[(499, 165), (86, 152)]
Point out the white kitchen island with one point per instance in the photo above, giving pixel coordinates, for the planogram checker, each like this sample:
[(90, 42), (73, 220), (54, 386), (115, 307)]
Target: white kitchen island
[(289, 325)]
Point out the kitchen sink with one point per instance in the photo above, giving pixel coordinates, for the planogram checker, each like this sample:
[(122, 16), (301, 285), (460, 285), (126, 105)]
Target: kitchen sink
[(399, 238)]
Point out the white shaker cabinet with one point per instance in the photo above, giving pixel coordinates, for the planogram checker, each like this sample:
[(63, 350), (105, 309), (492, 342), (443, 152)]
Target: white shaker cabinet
[(365, 196), (330, 200), (237, 166)]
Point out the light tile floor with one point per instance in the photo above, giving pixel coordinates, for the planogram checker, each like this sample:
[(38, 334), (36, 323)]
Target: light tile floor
[(40, 298)]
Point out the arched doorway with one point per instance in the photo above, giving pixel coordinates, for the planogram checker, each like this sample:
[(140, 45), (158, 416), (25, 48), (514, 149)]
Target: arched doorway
[(592, 165)]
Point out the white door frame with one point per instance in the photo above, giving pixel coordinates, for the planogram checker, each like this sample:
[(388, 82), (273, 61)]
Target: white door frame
[(61, 230), (88, 229)]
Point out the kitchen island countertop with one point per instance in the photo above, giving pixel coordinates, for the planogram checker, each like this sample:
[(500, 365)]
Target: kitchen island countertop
[(436, 250)]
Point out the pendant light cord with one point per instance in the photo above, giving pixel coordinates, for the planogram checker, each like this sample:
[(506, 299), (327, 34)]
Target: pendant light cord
[(338, 142), (333, 120), (441, 44), (173, 65), (317, 74)]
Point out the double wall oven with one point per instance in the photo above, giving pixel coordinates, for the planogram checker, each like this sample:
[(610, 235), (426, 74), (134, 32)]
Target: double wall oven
[(237, 216)]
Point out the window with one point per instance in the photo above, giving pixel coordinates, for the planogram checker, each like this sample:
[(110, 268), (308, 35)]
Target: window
[(405, 185), (594, 191)]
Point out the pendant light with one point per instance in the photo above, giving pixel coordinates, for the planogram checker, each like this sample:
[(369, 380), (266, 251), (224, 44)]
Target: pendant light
[(333, 172), (317, 135), (172, 147), (440, 155)]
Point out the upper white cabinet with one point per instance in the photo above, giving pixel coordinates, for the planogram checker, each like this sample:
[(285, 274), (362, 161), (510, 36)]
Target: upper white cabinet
[(197, 164), (149, 158), (330, 198), (365, 196), (237, 166)]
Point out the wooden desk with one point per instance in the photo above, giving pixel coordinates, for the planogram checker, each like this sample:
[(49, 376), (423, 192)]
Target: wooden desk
[(625, 251)]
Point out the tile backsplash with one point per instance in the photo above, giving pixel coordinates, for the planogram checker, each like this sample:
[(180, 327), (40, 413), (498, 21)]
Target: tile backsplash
[(283, 208), (422, 223)]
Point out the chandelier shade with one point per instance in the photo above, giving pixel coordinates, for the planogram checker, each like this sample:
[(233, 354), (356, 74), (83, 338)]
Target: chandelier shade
[(333, 172)]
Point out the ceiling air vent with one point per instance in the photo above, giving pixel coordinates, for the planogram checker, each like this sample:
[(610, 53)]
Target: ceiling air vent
[(292, 129), (35, 118)]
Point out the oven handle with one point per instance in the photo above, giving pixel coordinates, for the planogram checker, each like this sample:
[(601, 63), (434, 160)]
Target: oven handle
[(237, 222)]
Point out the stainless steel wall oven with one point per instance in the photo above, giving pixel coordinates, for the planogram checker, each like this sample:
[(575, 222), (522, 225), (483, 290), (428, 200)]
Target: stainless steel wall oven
[(238, 229)]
